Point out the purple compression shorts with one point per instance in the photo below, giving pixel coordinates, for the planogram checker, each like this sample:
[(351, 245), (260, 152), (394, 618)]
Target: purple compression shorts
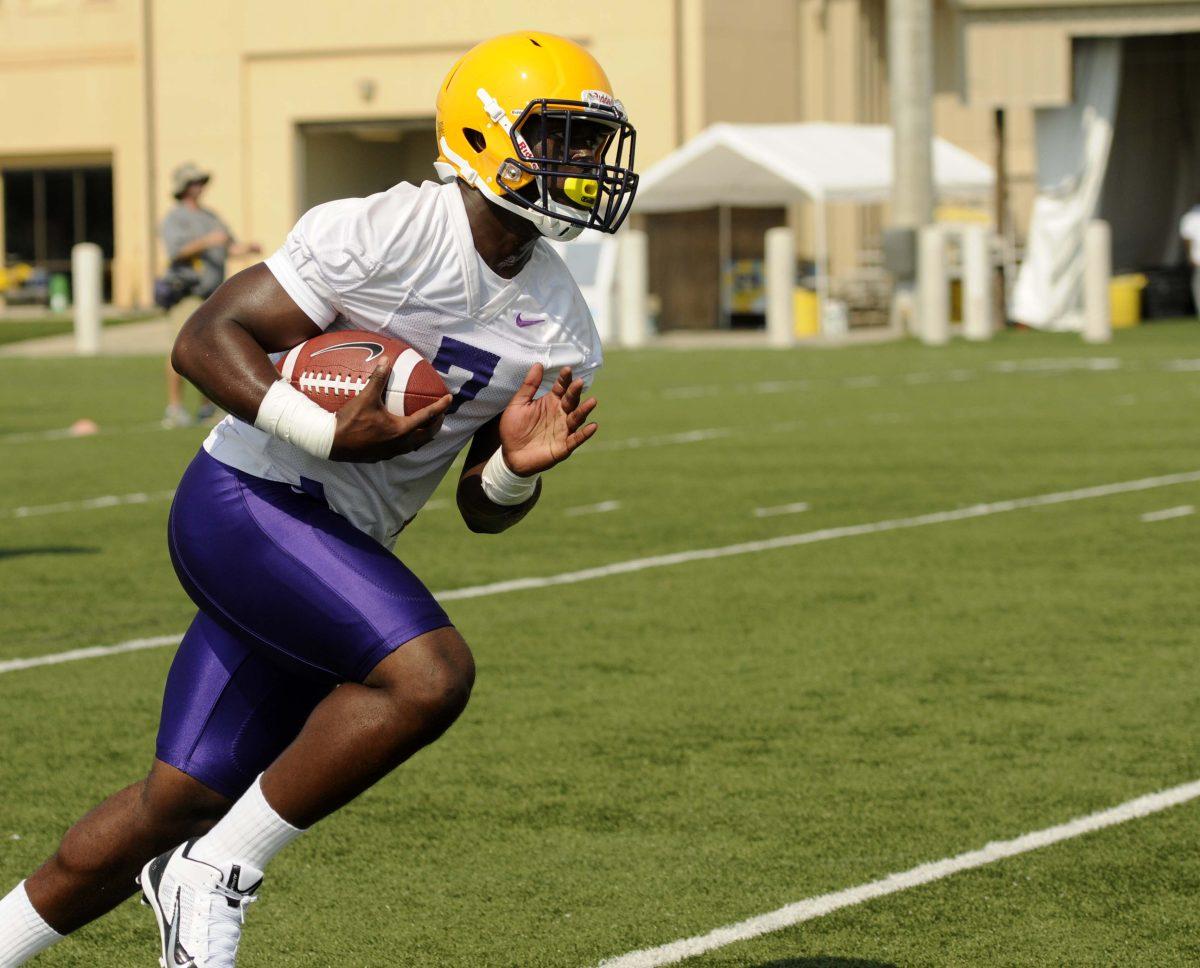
[(293, 600)]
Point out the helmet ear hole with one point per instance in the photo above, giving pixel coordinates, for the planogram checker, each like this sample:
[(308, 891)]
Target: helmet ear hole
[(475, 138)]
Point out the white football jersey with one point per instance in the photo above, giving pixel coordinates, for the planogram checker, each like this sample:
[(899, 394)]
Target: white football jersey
[(403, 263)]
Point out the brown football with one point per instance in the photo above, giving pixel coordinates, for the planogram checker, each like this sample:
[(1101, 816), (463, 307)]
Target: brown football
[(332, 368)]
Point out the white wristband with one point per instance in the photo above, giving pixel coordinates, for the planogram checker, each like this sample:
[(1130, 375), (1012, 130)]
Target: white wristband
[(503, 485), (288, 414)]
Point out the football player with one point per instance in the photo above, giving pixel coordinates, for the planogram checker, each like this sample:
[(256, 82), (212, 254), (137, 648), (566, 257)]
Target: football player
[(318, 662)]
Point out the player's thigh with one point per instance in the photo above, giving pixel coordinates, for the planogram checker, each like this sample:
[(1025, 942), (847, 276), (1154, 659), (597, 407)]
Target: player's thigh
[(228, 712), (280, 569)]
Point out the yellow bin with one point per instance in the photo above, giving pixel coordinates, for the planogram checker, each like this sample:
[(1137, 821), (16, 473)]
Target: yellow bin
[(1125, 299), (806, 313)]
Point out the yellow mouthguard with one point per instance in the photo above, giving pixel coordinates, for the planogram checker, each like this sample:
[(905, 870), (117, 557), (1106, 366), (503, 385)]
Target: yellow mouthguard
[(582, 191)]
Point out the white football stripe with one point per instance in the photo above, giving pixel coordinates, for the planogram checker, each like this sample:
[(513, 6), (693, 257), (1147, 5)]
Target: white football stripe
[(749, 547), (816, 907), (289, 362), (398, 382)]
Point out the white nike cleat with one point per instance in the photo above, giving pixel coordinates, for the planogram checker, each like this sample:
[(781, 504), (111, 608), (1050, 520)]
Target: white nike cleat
[(200, 908)]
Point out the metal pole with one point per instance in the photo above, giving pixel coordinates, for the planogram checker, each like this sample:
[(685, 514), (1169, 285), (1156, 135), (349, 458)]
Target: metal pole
[(780, 273), (1000, 297), (1097, 270), (932, 289), (910, 82), (822, 240), (724, 257), (977, 283), (87, 286), (632, 286)]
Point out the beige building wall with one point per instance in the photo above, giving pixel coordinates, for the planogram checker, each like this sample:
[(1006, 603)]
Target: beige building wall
[(72, 76), (233, 85), (999, 54), (1015, 56)]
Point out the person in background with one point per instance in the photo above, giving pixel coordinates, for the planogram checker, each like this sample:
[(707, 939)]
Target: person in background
[(1189, 228), (197, 243)]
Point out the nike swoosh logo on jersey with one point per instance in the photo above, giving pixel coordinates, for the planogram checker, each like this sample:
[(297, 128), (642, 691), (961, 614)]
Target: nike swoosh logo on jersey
[(522, 321), (373, 349)]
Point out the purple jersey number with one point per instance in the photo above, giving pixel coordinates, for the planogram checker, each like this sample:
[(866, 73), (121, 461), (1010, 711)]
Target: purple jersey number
[(479, 365)]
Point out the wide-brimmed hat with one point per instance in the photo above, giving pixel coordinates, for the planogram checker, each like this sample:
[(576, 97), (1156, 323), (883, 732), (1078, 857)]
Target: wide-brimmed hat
[(187, 174)]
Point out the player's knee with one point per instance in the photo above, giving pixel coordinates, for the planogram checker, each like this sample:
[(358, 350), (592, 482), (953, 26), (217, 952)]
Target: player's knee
[(433, 675), (177, 807), (443, 686)]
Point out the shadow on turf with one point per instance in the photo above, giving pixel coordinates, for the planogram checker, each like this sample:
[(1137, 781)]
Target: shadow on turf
[(825, 961), (46, 550)]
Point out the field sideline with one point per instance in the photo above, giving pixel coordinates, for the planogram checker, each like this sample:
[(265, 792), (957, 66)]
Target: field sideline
[(654, 752)]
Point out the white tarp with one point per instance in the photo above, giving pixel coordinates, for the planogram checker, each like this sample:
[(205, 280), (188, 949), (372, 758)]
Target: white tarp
[(1072, 155), (758, 165)]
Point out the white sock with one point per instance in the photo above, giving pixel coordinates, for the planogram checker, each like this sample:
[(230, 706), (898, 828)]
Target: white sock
[(23, 933), (251, 832)]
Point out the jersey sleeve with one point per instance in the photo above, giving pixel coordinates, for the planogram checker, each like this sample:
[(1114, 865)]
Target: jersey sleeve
[(322, 257)]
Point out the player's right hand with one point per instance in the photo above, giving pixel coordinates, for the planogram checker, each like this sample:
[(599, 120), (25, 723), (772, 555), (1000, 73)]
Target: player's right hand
[(367, 431)]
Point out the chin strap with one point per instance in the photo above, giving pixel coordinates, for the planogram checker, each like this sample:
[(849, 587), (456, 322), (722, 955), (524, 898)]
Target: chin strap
[(550, 227)]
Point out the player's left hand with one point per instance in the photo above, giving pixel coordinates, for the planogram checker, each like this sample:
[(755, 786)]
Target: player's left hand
[(536, 434)]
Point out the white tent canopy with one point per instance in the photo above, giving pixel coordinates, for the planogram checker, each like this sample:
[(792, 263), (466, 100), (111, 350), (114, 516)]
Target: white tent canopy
[(753, 165), (761, 165)]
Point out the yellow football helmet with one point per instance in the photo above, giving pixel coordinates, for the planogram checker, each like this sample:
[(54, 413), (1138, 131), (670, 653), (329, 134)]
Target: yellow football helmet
[(530, 119)]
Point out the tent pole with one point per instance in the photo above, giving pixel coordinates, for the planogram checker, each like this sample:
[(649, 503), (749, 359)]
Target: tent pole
[(724, 247), (822, 238)]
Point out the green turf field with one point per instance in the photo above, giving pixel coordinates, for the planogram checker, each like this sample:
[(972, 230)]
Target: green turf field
[(54, 324), (654, 754)]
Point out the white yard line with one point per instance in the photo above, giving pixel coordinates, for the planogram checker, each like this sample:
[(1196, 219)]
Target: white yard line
[(90, 504), (718, 389), (1051, 365), (94, 652), (685, 437), (601, 508), (793, 508), (816, 907), (779, 386), (692, 393), (812, 537), (1166, 514), (1057, 364), (707, 554), (66, 433)]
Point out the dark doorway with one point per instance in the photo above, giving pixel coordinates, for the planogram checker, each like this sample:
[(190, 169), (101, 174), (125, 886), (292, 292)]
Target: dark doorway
[(355, 159), (1153, 174), (48, 210)]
